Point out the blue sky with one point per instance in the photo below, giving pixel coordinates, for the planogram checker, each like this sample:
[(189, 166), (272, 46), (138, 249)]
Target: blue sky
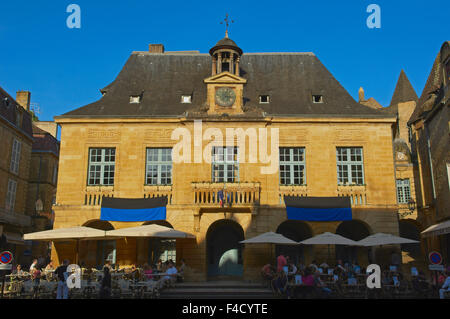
[(65, 68)]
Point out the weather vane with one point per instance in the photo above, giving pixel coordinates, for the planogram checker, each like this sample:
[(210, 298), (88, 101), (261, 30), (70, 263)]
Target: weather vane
[(227, 23)]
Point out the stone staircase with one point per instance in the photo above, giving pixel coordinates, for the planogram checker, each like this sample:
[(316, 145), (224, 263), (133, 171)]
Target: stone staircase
[(218, 290)]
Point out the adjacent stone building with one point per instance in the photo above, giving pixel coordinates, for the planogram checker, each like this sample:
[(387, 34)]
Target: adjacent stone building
[(323, 144), (42, 181), (15, 149), (430, 142)]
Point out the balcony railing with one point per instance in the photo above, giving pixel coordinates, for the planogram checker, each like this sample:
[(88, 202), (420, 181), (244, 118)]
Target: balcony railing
[(14, 218), (357, 194), (93, 195), (234, 194), (292, 190)]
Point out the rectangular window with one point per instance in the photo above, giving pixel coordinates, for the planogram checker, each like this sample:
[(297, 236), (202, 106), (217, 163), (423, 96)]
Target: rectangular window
[(186, 99), (159, 166), (11, 195), (317, 99), (15, 156), (135, 99), (403, 191), (292, 166), (264, 99), (225, 164), (102, 163), (350, 167)]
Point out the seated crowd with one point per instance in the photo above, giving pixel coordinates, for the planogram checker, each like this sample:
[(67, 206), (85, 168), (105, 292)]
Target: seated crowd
[(162, 274), (323, 281)]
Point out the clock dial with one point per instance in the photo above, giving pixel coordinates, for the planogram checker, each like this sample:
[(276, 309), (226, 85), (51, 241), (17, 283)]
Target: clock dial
[(225, 97)]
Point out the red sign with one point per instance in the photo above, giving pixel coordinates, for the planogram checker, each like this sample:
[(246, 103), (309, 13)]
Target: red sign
[(435, 258), (6, 257)]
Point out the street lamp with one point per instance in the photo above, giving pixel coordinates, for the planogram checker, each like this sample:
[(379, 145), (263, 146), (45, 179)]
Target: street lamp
[(411, 205), (39, 206)]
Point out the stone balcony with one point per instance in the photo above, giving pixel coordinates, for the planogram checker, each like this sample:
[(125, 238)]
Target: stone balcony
[(291, 190), (93, 195), (357, 194), (206, 194)]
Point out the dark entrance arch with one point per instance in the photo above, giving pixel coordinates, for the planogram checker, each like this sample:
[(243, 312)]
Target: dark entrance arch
[(295, 230), (408, 229), (97, 252), (354, 230), (160, 248), (223, 251)]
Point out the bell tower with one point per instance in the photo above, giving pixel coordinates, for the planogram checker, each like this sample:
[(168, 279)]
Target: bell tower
[(225, 86)]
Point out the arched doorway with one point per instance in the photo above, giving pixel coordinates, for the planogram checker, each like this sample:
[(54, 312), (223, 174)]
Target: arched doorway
[(160, 248), (407, 229), (95, 253), (354, 230), (295, 230), (223, 251)]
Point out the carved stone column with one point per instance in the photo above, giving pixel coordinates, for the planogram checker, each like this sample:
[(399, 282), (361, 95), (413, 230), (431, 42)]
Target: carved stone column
[(214, 65), (219, 62)]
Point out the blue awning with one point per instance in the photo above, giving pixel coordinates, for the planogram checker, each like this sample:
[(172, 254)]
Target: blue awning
[(133, 210), (318, 208)]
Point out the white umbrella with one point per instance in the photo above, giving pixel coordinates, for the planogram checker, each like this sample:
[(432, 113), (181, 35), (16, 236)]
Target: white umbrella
[(67, 234), (380, 239), (329, 239), (152, 230), (438, 229), (269, 238)]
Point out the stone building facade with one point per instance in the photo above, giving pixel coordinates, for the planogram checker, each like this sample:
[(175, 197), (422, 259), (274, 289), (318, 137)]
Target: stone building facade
[(431, 147), (15, 147), (325, 145)]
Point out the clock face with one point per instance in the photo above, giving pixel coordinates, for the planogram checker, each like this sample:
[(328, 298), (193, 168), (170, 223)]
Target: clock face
[(225, 97)]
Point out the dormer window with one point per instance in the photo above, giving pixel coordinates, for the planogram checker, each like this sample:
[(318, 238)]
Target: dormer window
[(135, 99), (186, 99), (317, 99), (264, 99)]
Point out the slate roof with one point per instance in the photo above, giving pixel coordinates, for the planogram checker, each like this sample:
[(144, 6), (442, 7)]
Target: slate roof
[(404, 91), (43, 141), (8, 109), (433, 83), (289, 78)]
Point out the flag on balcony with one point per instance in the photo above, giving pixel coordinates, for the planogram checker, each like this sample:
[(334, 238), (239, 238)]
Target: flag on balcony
[(133, 209), (220, 196), (318, 208)]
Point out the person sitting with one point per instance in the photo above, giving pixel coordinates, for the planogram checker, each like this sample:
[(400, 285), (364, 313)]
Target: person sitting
[(268, 272), (181, 270), (148, 272), (445, 288), (18, 271), (280, 284), (314, 265), (307, 289), (420, 284), (341, 266), (321, 286), (170, 278)]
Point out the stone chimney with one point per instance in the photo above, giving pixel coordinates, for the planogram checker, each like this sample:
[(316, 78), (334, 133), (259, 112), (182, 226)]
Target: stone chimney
[(361, 94), (156, 48), (24, 98)]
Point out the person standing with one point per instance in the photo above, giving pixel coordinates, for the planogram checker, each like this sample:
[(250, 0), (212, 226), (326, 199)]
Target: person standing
[(61, 272), (281, 262), (105, 288)]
